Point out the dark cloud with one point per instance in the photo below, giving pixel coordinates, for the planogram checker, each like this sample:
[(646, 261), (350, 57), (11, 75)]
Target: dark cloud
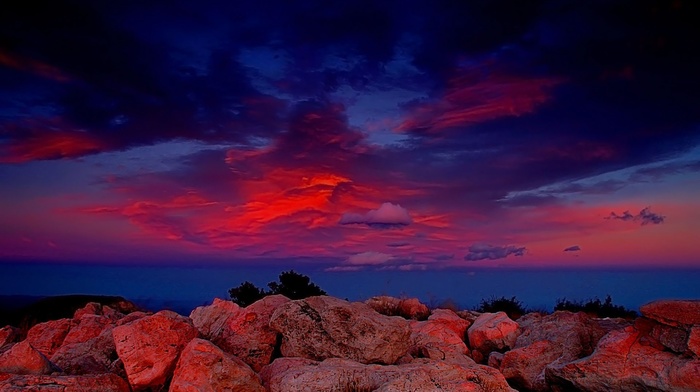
[(491, 252), (645, 216), (574, 248)]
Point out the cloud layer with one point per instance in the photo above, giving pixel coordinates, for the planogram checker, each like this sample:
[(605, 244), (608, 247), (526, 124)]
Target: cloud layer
[(386, 216), (492, 252)]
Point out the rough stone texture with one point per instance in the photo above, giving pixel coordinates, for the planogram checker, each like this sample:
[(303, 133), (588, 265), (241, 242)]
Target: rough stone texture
[(440, 337), (694, 341), (492, 332), (132, 317), (291, 374), (622, 363), (22, 358), (8, 334), (524, 367), (150, 346), (413, 309), (410, 308), (326, 327), (673, 338), (96, 355), (204, 367), (89, 383), (549, 340), (495, 359), (243, 332), (676, 313), (88, 326), (47, 337)]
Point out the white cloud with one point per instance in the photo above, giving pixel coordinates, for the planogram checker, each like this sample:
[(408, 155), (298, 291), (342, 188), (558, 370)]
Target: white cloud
[(387, 215), (369, 258)]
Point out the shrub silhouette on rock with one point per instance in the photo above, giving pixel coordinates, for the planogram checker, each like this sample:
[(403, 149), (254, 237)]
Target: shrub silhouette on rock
[(596, 308), (291, 284), (511, 306)]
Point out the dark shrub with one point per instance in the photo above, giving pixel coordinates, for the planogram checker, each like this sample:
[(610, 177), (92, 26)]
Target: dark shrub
[(596, 308), (291, 284), (512, 307)]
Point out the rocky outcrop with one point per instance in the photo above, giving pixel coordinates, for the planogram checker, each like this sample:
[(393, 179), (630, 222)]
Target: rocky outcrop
[(89, 383), (94, 356), (243, 332), (22, 358), (203, 367), (335, 374), (8, 334), (325, 327), (440, 337), (409, 308), (491, 332), (149, 347), (47, 337), (622, 363), (675, 313), (694, 341), (549, 340)]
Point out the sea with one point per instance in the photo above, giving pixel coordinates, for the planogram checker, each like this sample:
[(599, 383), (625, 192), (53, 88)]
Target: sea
[(182, 288)]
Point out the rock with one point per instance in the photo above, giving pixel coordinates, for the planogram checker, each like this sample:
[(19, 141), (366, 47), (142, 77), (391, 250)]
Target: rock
[(676, 313), (88, 326), (412, 308), (22, 358), (91, 308), (672, 338), (132, 317), (440, 337), (96, 355), (243, 332), (548, 341), (492, 332), (204, 367), (694, 341), (47, 337), (326, 327), (495, 359), (409, 308), (524, 367), (89, 383), (621, 363), (150, 346), (335, 374), (8, 334)]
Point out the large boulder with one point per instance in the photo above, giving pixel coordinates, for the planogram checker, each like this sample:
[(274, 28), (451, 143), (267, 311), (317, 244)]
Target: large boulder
[(150, 346), (22, 358), (409, 308), (243, 332), (335, 374), (621, 362), (88, 326), (491, 332), (47, 337), (88, 383), (554, 339), (325, 327), (8, 334), (694, 341), (440, 337), (96, 355), (204, 367), (675, 313)]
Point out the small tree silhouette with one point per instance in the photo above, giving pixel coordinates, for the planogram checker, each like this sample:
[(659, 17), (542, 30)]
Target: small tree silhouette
[(246, 294), (291, 284), (512, 307)]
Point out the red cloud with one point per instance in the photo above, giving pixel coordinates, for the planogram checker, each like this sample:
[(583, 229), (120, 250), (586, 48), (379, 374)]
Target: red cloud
[(51, 145), (33, 66), (478, 96)]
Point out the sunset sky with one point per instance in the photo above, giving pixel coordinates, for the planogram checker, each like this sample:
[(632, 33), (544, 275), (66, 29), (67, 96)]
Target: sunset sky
[(351, 135)]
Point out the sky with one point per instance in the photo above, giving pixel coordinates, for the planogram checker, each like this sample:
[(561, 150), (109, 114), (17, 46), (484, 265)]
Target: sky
[(351, 135)]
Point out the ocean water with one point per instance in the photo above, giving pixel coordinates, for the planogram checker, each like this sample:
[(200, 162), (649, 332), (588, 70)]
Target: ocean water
[(181, 288)]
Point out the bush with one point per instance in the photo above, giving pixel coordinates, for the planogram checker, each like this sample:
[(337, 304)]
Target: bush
[(512, 307), (291, 284), (596, 308)]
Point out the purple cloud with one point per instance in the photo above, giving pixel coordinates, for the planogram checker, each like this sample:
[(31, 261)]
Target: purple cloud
[(369, 258), (574, 248), (645, 216), (491, 252), (386, 216)]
